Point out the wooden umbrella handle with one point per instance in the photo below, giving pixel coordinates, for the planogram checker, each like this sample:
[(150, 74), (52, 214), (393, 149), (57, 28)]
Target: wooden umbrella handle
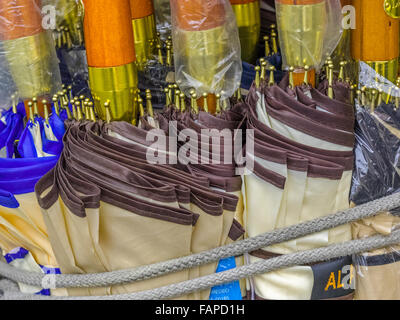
[(199, 15), (376, 37), (108, 33), (20, 18), (141, 8)]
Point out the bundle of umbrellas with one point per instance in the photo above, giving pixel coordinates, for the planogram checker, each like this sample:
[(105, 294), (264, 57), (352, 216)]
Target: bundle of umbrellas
[(376, 175), (30, 148), (303, 163), (117, 197), (107, 207)]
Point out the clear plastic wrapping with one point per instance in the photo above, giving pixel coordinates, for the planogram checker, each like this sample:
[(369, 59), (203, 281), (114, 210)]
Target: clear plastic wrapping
[(308, 33), (206, 47), (377, 153), (162, 10), (27, 51), (378, 271), (376, 175), (69, 16)]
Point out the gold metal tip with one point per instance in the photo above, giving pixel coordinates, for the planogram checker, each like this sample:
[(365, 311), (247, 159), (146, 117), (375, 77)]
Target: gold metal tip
[(80, 35), (160, 56), (167, 98), (380, 97), (239, 93), (68, 38), (352, 94), (306, 70), (108, 112), (86, 108), (291, 79), (170, 93), (74, 110), (257, 80), (92, 113), (341, 72), (46, 111), (389, 95), (14, 104), (205, 102), (218, 103), (70, 92), (35, 106), (267, 48), (182, 102), (78, 110), (330, 82), (177, 99), (141, 108), (358, 93), (169, 56), (263, 70), (31, 113), (373, 100), (66, 107), (271, 76), (56, 107), (274, 42), (149, 105), (364, 96), (194, 105)]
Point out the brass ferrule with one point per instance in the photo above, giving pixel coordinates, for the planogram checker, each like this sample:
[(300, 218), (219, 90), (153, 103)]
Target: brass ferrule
[(144, 32), (301, 33), (203, 64), (33, 65), (386, 69), (249, 24), (118, 86), (71, 19)]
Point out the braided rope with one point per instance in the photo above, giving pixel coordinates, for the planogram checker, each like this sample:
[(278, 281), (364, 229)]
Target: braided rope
[(261, 267), (235, 249)]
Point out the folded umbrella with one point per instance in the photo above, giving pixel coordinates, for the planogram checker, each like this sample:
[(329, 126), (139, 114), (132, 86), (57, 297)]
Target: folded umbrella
[(111, 159), (376, 175), (303, 165), (116, 263), (23, 219)]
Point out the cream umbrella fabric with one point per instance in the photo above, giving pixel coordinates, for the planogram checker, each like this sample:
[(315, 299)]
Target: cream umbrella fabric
[(377, 273), (96, 169), (311, 151), (118, 231)]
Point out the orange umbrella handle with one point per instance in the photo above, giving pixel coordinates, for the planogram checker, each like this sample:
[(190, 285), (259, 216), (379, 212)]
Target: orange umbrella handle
[(108, 33)]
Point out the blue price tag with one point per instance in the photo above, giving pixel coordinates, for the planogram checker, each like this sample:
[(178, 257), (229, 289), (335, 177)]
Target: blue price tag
[(229, 291)]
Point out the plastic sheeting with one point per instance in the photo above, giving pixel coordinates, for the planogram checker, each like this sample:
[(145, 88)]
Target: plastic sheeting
[(376, 175), (308, 34), (27, 52), (206, 47)]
